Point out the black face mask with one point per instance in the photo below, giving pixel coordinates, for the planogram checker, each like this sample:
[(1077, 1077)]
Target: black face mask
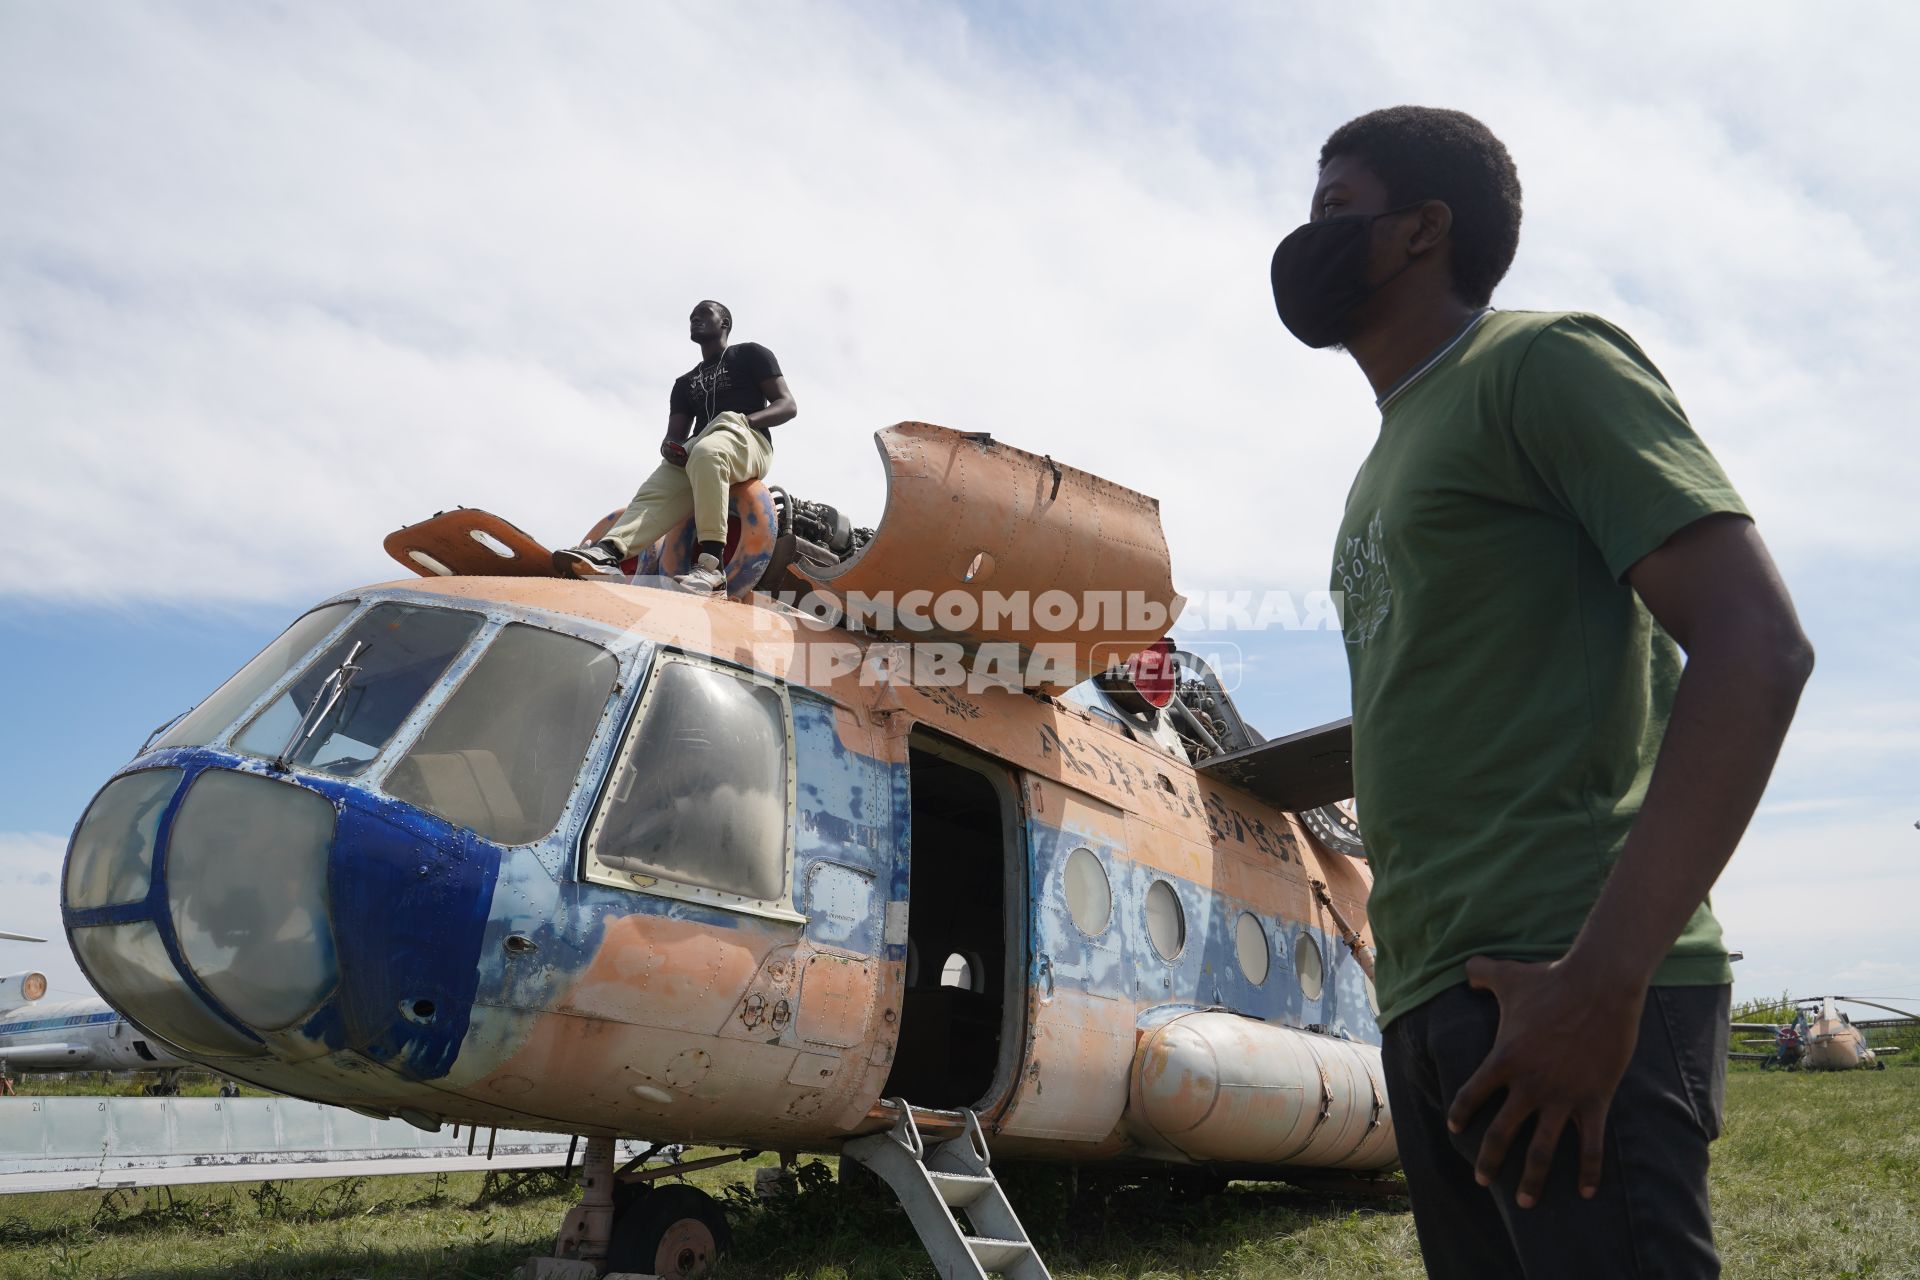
[(1320, 275)]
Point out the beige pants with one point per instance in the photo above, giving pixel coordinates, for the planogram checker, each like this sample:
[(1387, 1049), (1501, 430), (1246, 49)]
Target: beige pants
[(726, 452)]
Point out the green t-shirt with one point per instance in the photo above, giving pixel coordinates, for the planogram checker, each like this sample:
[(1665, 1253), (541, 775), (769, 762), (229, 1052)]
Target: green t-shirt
[(1510, 691)]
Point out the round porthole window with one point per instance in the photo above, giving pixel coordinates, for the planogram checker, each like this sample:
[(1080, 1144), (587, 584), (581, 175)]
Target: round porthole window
[(1250, 942), (1089, 896), (1166, 922), (1306, 962)]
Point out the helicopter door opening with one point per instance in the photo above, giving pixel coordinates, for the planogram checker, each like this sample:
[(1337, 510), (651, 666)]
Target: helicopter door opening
[(963, 846)]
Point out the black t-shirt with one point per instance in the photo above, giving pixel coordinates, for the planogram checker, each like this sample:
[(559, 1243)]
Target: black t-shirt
[(731, 384)]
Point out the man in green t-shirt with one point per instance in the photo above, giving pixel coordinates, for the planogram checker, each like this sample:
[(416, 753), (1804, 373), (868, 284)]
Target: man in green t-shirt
[(1547, 793)]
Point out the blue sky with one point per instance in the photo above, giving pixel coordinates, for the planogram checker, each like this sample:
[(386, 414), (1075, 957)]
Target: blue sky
[(274, 281)]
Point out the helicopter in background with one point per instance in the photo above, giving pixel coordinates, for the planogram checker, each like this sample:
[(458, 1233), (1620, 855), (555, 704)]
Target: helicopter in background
[(1821, 1038)]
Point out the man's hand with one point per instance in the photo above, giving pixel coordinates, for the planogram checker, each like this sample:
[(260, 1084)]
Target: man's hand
[(673, 451), (1567, 1029), (1565, 1040)]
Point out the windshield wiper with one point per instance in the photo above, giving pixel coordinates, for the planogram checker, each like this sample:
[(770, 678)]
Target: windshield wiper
[(162, 729), (338, 680)]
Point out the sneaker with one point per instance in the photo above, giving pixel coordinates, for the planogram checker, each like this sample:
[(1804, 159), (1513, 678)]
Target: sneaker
[(589, 560), (706, 579)]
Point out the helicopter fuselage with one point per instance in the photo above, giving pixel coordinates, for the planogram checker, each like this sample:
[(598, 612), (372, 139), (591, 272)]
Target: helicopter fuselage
[(717, 883)]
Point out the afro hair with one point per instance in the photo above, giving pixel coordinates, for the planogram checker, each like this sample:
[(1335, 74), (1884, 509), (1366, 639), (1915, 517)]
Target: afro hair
[(1431, 153)]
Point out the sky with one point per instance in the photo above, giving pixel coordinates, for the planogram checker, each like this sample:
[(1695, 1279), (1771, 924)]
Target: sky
[(277, 279)]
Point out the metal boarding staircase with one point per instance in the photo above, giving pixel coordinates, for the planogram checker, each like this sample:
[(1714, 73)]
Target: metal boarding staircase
[(954, 1175)]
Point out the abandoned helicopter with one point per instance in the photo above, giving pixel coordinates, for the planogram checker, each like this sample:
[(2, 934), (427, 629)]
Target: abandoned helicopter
[(1820, 1037), (496, 848)]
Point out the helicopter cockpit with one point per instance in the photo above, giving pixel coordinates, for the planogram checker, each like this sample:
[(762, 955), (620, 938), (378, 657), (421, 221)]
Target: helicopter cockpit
[(501, 750), (201, 880)]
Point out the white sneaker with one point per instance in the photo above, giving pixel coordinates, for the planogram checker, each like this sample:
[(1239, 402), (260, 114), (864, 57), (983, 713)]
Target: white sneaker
[(588, 560), (706, 578)]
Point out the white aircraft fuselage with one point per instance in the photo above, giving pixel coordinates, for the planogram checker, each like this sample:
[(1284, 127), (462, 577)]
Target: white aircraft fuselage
[(78, 1035)]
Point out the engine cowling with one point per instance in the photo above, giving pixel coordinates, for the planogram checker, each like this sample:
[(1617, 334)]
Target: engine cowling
[(17, 989)]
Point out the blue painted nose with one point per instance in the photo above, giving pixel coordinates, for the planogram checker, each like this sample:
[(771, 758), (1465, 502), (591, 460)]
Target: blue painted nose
[(241, 914), (411, 894)]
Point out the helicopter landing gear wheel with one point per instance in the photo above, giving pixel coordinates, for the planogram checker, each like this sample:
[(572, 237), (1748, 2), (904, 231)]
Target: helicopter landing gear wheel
[(676, 1232)]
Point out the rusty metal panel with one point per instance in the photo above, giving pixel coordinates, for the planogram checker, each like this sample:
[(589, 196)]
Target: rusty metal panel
[(968, 514), (836, 1000), (1074, 1085), (1072, 1082), (660, 971), (814, 1070), (468, 541)]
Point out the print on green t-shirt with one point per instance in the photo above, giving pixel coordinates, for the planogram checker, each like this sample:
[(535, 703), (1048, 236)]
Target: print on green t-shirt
[(1510, 691)]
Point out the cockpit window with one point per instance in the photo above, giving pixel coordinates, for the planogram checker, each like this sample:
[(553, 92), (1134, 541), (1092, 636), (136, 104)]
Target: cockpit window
[(210, 719), (699, 795), (501, 756), (350, 701)]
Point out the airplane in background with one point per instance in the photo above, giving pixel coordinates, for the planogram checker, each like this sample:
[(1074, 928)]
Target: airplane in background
[(608, 859), (39, 1035)]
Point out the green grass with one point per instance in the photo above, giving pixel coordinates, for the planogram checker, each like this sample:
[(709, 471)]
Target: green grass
[(192, 1084), (1814, 1175), (1819, 1174)]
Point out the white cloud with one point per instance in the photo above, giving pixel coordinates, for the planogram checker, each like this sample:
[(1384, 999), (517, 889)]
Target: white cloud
[(273, 286), (1820, 893), (1823, 905)]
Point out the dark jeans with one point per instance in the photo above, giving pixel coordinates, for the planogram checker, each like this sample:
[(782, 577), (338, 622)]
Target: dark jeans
[(1650, 1218)]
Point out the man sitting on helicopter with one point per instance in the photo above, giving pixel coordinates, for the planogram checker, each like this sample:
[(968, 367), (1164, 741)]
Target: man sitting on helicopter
[(736, 395)]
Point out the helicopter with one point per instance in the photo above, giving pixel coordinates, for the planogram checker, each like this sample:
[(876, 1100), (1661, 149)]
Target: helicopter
[(1821, 1038), (797, 869)]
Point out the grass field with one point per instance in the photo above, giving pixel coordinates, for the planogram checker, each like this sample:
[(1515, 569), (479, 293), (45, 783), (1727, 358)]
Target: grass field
[(190, 1084), (1815, 1175)]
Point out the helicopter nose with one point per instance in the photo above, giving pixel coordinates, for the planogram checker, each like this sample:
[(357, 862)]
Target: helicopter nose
[(246, 882), (225, 935), (240, 914)]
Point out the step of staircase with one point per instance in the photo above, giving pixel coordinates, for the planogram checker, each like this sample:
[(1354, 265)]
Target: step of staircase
[(960, 1189), (954, 1177), (998, 1255)]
